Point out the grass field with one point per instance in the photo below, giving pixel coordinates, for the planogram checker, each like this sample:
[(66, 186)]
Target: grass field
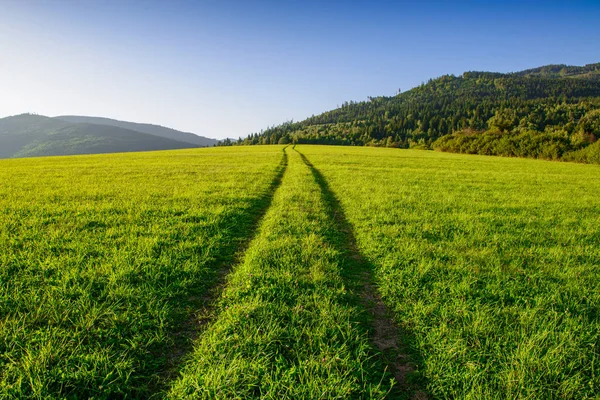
[(299, 273), (287, 326), (491, 265), (106, 259)]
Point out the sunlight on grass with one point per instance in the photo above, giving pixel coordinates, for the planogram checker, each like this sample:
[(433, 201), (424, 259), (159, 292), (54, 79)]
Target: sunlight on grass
[(104, 258), (491, 263)]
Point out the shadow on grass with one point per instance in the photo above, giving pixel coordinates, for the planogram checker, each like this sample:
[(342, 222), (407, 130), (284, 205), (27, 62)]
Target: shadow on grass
[(394, 345), (190, 328)]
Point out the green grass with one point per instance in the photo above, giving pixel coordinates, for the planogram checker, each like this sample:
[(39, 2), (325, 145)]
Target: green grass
[(287, 326), (255, 272), (105, 260), (491, 265)]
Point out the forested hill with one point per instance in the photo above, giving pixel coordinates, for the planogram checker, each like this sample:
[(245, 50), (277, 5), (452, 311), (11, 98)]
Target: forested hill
[(548, 112)]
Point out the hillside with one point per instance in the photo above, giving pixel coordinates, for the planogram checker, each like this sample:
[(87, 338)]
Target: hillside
[(30, 135), (150, 129), (20, 130), (546, 112)]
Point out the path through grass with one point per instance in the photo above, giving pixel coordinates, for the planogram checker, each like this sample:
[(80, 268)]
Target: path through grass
[(287, 325), (106, 259), (358, 273), (461, 276), (492, 265)]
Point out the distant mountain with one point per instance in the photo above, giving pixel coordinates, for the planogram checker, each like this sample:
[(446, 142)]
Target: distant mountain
[(550, 112), (150, 129), (21, 130), (30, 135)]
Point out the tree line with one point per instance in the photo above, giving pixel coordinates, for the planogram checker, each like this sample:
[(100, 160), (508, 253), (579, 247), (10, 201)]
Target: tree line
[(549, 112)]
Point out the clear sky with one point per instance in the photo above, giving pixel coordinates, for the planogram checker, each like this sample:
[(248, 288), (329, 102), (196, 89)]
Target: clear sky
[(223, 68)]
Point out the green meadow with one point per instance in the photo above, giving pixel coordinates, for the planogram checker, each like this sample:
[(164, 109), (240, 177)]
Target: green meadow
[(299, 272), (490, 265), (107, 260)]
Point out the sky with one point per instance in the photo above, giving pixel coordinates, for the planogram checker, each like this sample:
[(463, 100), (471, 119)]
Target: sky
[(222, 68)]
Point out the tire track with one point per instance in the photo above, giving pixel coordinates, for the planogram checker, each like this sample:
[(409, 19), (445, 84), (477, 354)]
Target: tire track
[(193, 328), (385, 335)]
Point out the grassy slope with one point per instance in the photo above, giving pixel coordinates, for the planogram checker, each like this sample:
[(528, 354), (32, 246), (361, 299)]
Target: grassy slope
[(105, 259), (287, 326), (490, 264)]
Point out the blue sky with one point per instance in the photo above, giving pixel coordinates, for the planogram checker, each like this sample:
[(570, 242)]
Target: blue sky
[(229, 68)]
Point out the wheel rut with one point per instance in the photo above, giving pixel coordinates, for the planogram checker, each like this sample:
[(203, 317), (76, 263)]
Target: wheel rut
[(384, 334), (189, 332)]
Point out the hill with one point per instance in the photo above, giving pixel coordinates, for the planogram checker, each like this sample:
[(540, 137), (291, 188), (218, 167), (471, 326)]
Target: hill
[(30, 135), (150, 129), (546, 112)]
